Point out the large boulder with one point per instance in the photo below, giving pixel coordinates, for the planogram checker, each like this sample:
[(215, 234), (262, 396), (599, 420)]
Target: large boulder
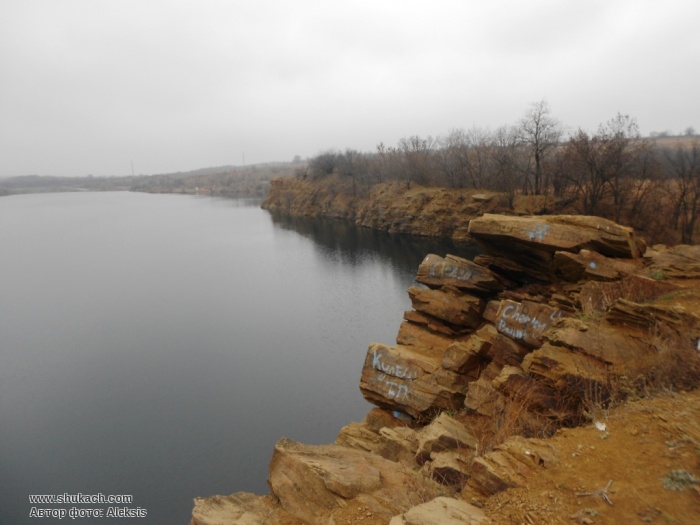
[(313, 481), (552, 233)]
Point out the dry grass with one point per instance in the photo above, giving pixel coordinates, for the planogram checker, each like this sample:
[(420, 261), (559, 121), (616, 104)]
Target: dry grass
[(672, 364), (521, 414)]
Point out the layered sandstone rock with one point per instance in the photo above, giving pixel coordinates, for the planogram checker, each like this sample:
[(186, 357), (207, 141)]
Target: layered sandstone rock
[(551, 233), (527, 245), (530, 333)]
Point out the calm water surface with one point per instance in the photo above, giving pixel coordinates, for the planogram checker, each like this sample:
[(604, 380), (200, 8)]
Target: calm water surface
[(158, 345)]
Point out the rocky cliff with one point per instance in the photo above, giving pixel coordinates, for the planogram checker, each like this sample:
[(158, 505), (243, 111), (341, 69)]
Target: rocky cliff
[(561, 317), (391, 206)]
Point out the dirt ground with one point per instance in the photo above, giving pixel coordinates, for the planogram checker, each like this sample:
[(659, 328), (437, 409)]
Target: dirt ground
[(648, 458), (644, 467)]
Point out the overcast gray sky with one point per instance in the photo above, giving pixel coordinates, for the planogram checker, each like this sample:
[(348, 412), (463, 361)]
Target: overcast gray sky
[(88, 86)]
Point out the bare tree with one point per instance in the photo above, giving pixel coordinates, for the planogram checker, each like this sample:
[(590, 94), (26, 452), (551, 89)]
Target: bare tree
[(416, 153), (540, 133), (324, 163), (618, 141), (387, 163), (477, 156), (505, 175), (348, 166), (586, 170), (450, 155), (683, 187)]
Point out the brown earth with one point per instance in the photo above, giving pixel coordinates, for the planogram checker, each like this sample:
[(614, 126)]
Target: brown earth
[(635, 457), (644, 443)]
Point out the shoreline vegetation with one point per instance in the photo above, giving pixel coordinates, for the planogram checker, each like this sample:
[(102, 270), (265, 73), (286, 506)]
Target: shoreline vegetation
[(433, 187)]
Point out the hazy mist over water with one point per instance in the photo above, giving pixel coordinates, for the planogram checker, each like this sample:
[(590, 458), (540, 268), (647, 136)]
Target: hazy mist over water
[(159, 345)]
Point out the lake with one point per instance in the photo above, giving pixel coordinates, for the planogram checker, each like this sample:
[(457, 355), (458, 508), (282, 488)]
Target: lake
[(157, 346)]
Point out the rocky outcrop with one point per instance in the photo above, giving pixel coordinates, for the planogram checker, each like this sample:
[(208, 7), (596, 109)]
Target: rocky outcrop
[(494, 355)]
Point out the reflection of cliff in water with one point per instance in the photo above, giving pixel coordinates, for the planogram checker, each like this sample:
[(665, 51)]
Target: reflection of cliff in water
[(350, 243)]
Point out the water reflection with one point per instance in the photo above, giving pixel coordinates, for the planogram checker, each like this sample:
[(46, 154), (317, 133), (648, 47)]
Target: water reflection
[(349, 243)]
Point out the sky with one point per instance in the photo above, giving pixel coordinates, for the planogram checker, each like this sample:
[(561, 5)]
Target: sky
[(92, 87)]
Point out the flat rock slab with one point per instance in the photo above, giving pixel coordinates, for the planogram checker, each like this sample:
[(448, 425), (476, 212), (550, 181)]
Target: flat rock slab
[(552, 233)]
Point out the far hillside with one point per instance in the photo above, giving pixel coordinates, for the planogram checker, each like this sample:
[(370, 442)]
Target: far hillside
[(234, 181)]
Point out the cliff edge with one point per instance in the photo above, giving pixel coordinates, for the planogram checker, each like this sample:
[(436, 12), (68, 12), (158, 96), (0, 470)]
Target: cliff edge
[(522, 388), (392, 206)]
